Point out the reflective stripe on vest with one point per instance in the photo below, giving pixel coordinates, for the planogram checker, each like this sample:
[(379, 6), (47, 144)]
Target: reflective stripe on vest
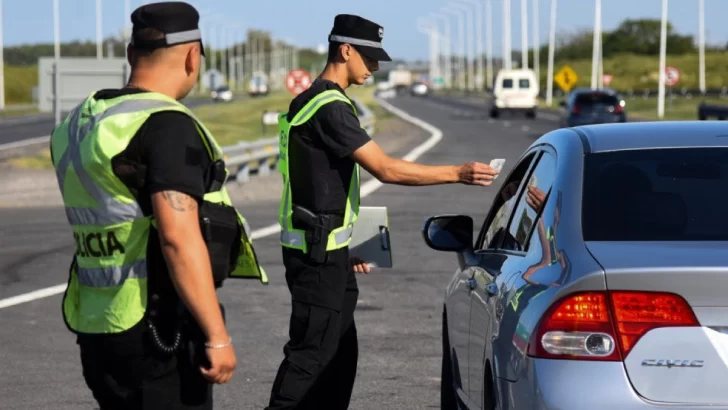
[(107, 288), (295, 238)]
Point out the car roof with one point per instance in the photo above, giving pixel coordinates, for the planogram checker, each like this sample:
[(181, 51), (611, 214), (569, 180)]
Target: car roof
[(584, 90), (657, 134)]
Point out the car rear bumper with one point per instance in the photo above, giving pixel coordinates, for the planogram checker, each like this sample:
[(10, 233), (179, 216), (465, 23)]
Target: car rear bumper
[(576, 385)]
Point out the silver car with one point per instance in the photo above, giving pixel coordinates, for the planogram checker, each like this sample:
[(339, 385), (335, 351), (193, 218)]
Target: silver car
[(599, 279)]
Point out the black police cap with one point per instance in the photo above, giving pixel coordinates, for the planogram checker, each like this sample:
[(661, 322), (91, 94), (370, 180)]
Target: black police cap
[(176, 19), (364, 35)]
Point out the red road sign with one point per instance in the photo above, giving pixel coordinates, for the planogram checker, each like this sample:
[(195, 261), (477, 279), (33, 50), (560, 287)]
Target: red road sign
[(672, 76), (297, 81), (607, 79)]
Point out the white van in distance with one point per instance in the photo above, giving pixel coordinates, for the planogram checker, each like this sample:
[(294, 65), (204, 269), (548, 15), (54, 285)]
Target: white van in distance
[(515, 90)]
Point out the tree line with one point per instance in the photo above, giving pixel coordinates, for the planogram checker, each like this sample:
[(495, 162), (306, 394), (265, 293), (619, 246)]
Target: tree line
[(635, 36)]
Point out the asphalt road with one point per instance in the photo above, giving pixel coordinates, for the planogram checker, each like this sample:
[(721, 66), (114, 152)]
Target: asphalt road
[(14, 129), (398, 316)]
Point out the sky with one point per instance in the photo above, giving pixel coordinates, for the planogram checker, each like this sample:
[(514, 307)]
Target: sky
[(31, 21)]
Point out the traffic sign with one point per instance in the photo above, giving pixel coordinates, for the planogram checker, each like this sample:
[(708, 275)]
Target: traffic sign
[(672, 76), (607, 79), (297, 81), (566, 78)]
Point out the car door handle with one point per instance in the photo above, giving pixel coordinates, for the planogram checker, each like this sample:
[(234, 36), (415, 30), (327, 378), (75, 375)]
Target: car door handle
[(491, 289)]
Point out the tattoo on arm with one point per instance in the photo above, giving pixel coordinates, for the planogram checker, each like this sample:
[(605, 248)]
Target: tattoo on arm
[(180, 202)]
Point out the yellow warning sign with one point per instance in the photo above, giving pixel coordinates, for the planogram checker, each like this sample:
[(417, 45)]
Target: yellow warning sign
[(566, 78)]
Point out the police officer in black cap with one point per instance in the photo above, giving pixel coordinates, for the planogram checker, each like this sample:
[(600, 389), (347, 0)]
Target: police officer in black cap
[(171, 357), (322, 147)]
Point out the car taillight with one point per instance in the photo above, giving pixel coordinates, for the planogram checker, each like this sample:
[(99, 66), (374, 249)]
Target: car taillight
[(605, 325), (575, 109), (618, 109)]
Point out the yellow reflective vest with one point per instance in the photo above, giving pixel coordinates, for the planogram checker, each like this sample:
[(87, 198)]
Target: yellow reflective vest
[(295, 238), (107, 285)]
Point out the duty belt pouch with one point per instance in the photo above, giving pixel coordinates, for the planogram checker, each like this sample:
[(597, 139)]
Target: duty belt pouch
[(222, 233)]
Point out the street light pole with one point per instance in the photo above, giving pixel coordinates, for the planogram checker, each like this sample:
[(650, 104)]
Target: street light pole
[(507, 53), (597, 41), (663, 47), (470, 61), (99, 35), (701, 40), (446, 52), (479, 37), (536, 45), (461, 29), (2, 61), (524, 34), (552, 46), (489, 43)]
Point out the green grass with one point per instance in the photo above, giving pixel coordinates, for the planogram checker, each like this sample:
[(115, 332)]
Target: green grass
[(637, 72), (19, 83), (677, 109)]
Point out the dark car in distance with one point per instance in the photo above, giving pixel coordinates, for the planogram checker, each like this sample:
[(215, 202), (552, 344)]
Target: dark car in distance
[(586, 106)]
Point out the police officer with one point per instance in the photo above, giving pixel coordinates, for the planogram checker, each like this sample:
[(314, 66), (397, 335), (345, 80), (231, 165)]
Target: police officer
[(143, 185), (322, 146)]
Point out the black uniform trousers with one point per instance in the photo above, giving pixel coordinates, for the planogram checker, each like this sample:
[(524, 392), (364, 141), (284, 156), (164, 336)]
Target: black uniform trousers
[(126, 371), (320, 359)]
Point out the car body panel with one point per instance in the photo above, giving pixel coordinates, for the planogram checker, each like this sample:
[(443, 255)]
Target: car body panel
[(502, 318)]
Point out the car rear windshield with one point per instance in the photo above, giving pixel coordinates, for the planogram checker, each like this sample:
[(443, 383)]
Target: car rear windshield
[(677, 194), (596, 98)]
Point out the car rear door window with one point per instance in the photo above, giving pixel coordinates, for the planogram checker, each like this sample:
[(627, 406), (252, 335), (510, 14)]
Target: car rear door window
[(529, 206), (496, 222), (524, 83), (507, 83), (676, 194)]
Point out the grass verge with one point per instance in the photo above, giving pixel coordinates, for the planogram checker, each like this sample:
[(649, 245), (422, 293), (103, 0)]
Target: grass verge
[(676, 109), (231, 122)]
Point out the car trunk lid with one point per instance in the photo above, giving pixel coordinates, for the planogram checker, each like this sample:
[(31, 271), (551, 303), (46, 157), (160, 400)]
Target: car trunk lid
[(687, 365)]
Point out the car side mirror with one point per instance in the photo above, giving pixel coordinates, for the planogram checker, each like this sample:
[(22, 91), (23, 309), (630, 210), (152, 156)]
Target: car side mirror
[(449, 233)]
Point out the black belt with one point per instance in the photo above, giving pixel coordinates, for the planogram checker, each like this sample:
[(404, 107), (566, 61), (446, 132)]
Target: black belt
[(317, 228)]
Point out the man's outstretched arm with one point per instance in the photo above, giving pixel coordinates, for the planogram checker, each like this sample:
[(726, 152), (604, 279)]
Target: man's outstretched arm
[(396, 171)]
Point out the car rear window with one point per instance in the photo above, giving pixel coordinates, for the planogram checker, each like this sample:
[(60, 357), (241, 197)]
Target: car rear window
[(523, 83), (676, 194), (507, 83), (596, 98)]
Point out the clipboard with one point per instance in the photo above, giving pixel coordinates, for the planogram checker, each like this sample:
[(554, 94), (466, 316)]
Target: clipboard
[(370, 237)]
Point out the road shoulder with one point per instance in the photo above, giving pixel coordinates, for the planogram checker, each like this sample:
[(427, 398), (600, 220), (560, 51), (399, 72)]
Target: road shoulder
[(39, 187)]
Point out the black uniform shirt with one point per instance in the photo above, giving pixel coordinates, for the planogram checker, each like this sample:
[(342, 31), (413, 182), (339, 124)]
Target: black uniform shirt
[(166, 153), (319, 162)]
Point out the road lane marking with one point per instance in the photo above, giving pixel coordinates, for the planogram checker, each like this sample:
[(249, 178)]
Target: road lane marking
[(25, 142), (366, 189)]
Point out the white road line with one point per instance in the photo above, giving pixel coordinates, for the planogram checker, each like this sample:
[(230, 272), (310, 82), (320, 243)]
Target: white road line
[(366, 189), (28, 297), (25, 142)]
